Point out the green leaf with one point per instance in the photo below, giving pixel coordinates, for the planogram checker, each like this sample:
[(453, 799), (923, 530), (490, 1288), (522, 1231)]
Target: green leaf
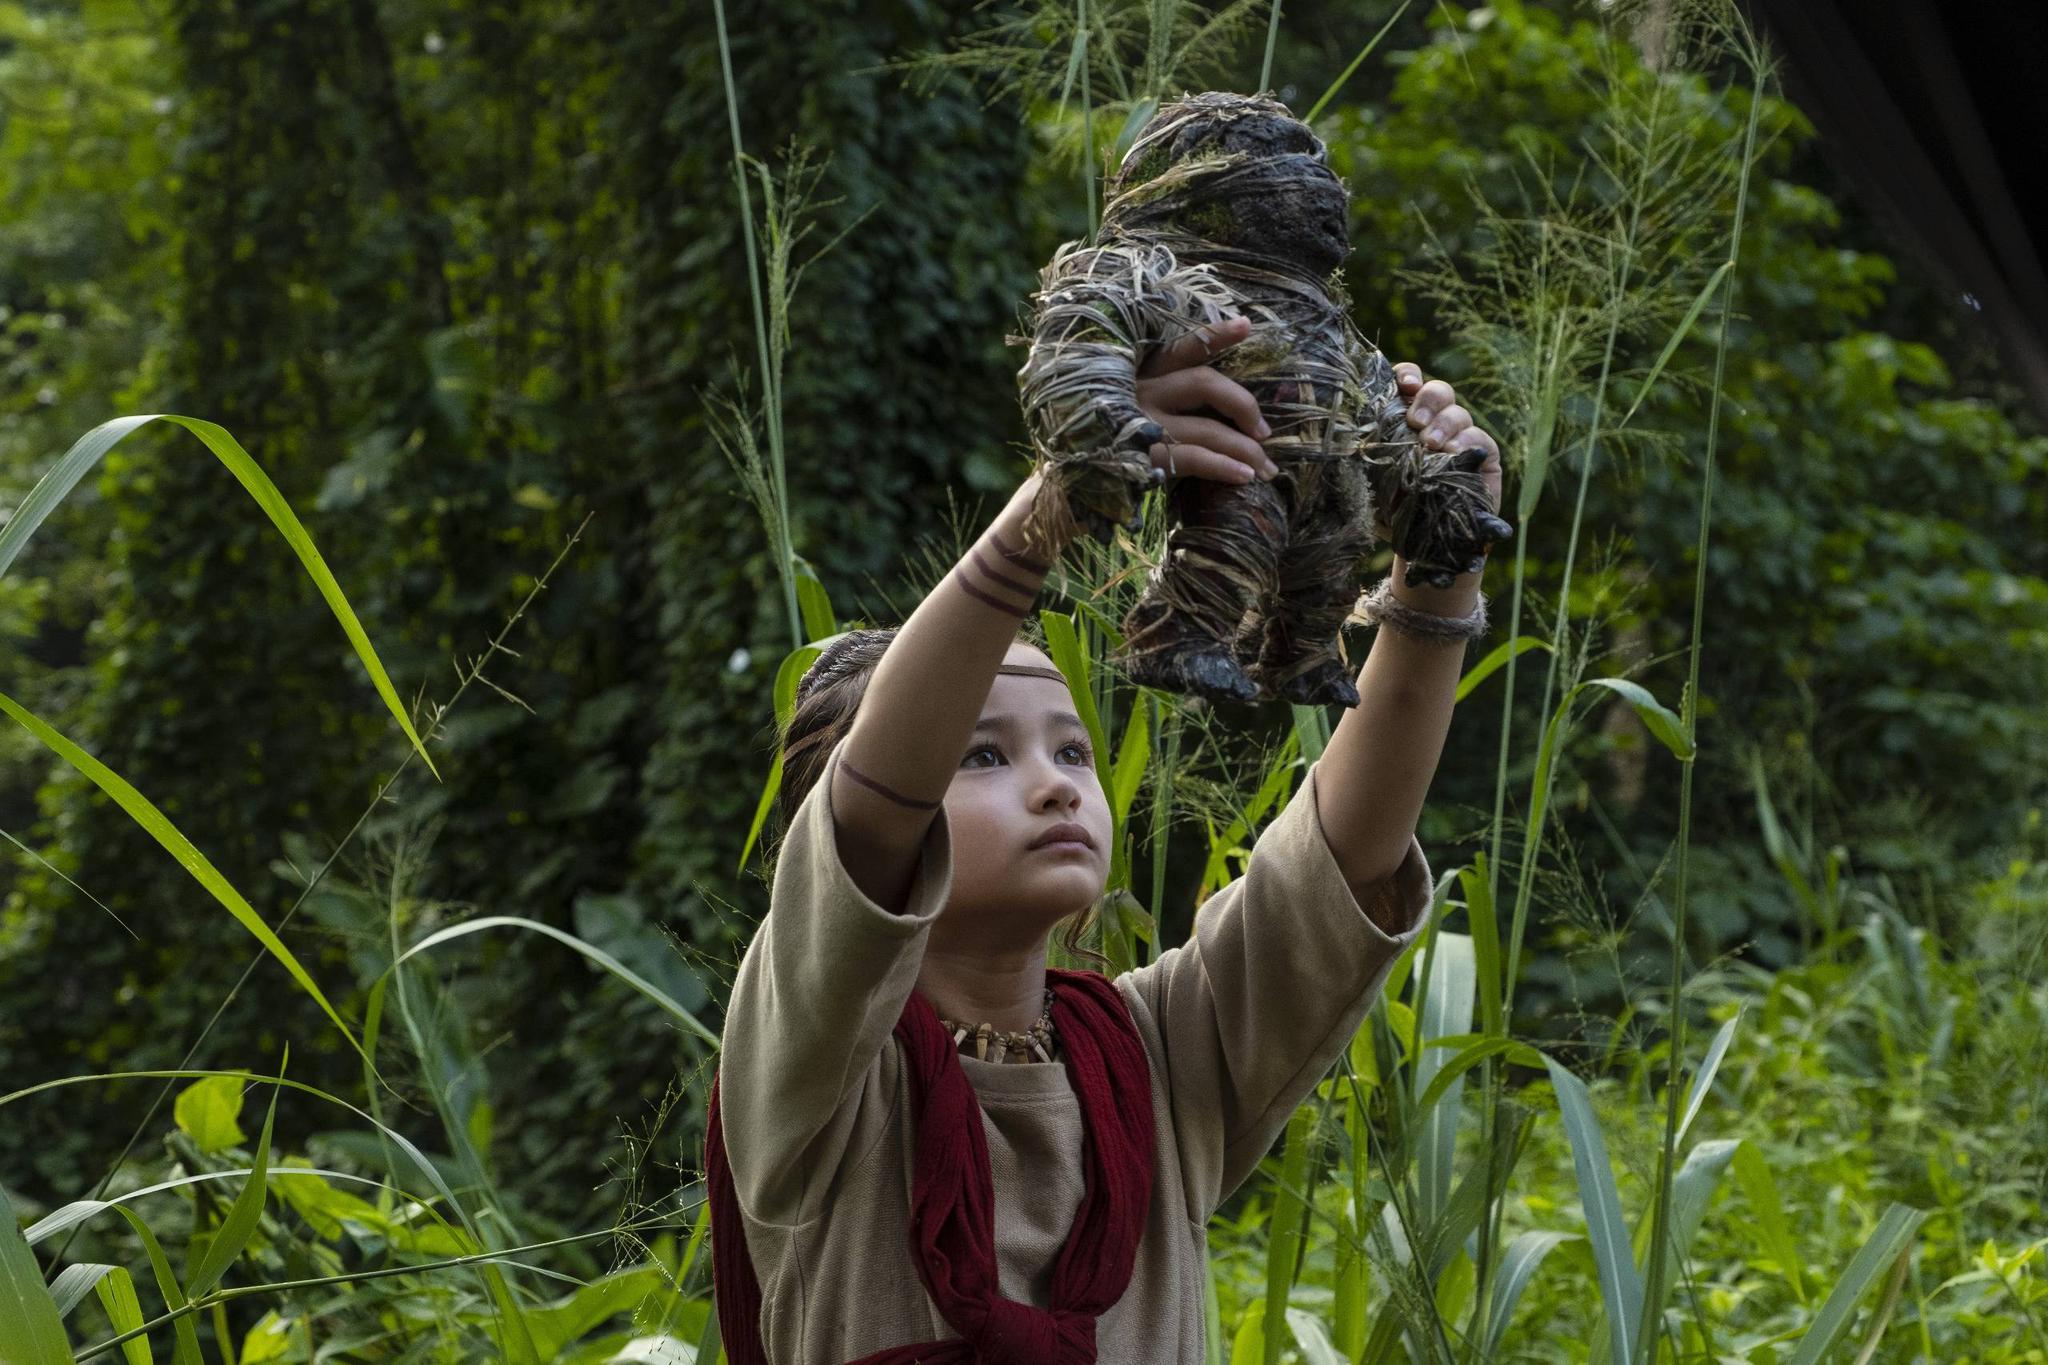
[(1678, 334), (1520, 1053), (813, 603), (185, 1351), (1485, 925), (1663, 724), (31, 1328), (124, 1311), (1132, 752), (1621, 1288), (240, 1224), (597, 955), (207, 1112), (73, 1283), (1767, 1213), (1446, 1010), (1704, 1081), (557, 1325), (1063, 643), (144, 813), (1495, 660), (1517, 1267), (87, 451), (1894, 1230), (1283, 1245), (1312, 1338)]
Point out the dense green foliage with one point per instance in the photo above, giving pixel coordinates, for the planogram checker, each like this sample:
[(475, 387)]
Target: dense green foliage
[(470, 284)]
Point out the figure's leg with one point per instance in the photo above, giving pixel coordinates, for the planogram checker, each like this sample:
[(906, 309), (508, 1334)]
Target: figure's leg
[(1317, 587), (1220, 557)]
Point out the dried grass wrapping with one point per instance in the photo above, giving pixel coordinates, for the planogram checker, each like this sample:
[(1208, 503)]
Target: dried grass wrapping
[(1225, 206)]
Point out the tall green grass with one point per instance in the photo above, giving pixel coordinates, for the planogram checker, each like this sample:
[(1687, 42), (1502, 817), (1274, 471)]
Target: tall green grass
[(1454, 1191)]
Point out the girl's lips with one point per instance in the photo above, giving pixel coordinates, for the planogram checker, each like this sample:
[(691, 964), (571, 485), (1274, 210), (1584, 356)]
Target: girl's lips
[(1062, 846)]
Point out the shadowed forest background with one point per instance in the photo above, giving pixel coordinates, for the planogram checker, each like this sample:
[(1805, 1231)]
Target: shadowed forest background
[(468, 281)]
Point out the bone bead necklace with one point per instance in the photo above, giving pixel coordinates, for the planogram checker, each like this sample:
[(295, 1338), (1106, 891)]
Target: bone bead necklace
[(992, 1044)]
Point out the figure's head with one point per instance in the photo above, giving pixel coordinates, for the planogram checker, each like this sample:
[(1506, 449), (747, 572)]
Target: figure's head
[(1027, 768), (1237, 170)]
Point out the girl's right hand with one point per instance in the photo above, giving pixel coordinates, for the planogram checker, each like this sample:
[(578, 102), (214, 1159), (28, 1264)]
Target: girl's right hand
[(1174, 388)]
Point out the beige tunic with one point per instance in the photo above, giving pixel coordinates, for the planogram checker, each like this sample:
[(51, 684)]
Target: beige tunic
[(1239, 1024)]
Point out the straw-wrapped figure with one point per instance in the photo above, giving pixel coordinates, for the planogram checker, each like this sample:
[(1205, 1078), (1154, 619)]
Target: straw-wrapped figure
[(1226, 205)]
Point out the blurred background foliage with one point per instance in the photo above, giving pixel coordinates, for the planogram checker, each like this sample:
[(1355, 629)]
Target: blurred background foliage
[(461, 276)]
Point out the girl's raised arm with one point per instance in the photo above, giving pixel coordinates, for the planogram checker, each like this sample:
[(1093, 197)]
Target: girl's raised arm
[(920, 706)]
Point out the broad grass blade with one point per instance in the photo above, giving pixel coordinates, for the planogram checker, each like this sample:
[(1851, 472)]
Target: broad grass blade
[(1446, 1010), (73, 1283), (1704, 1081), (597, 955), (1312, 1338), (814, 602), (1691, 1191), (1893, 1232), (1312, 727), (141, 810), (1477, 885), (31, 1328), (1495, 659), (87, 452), (1132, 752), (243, 1215), (185, 1333), (1283, 1245), (1063, 643), (1678, 334), (1470, 1056), (1517, 1267), (1621, 1288), (1668, 729), (1753, 1174), (787, 676), (124, 1311)]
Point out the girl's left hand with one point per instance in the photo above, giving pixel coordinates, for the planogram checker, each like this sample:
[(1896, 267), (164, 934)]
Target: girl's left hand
[(1434, 410)]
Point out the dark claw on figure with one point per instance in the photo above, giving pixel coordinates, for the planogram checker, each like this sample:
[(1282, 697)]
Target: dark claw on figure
[(1469, 460), (1495, 528)]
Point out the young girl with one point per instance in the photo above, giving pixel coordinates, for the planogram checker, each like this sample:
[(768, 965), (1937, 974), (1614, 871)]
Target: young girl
[(925, 1144)]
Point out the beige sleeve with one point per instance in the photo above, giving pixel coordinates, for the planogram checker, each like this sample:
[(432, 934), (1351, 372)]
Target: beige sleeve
[(1278, 975), (817, 995)]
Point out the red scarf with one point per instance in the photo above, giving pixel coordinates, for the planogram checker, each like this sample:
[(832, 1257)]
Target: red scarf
[(952, 1197)]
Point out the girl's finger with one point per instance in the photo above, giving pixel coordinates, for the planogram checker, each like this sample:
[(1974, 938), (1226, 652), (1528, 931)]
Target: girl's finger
[(1180, 460), (1407, 377), (1202, 387), (1431, 399), (1220, 437), (1447, 429), (1472, 437), (1197, 347)]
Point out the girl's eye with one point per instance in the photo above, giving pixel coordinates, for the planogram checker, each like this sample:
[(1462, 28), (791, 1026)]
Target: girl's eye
[(1084, 755)]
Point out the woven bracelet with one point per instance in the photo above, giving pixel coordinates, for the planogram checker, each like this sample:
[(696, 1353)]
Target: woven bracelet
[(1382, 608)]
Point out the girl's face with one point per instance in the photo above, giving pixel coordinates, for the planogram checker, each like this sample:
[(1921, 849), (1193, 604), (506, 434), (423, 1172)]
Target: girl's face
[(1027, 770)]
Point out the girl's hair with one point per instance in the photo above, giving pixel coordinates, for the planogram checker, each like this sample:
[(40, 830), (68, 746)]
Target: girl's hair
[(827, 697)]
